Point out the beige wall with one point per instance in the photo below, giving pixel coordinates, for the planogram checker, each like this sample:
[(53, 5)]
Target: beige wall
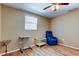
[(0, 22), (13, 27), (66, 28)]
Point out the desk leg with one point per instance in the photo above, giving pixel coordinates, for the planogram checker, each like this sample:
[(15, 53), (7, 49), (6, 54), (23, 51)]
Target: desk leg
[(21, 50), (5, 49)]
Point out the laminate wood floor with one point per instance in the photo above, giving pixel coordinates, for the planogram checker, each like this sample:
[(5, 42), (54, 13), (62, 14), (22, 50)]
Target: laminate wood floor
[(46, 50)]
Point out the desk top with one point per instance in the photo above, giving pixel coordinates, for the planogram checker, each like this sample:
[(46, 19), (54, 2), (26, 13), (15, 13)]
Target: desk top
[(24, 37)]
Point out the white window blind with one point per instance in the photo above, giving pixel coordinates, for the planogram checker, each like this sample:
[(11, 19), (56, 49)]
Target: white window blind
[(30, 23)]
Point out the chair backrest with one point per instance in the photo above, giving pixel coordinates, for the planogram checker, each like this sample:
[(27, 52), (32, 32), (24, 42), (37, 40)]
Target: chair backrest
[(49, 34)]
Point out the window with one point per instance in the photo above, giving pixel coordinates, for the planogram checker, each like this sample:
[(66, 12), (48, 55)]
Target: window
[(30, 23)]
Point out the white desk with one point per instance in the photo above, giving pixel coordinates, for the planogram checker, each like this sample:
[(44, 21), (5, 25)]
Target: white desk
[(21, 43)]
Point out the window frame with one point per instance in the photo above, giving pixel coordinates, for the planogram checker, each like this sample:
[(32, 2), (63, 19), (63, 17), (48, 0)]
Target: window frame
[(31, 23)]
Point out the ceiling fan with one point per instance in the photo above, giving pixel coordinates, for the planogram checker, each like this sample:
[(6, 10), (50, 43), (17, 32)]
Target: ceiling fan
[(55, 5)]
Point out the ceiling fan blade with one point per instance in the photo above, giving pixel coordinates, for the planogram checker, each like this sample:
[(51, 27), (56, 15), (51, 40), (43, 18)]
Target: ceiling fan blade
[(63, 3), (47, 7)]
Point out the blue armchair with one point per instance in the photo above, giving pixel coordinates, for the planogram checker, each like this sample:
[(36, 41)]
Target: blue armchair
[(50, 39)]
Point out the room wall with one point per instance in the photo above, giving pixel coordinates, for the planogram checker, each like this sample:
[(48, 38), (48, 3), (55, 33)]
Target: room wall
[(66, 28), (0, 22), (13, 27)]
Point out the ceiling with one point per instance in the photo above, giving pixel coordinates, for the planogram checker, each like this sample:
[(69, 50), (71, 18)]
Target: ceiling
[(37, 8)]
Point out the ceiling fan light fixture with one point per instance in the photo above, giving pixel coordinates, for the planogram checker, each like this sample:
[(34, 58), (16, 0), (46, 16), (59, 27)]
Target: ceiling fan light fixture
[(55, 7), (52, 7)]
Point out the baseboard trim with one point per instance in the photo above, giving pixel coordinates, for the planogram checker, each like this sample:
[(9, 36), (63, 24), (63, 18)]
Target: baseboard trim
[(16, 50), (68, 46), (9, 52)]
